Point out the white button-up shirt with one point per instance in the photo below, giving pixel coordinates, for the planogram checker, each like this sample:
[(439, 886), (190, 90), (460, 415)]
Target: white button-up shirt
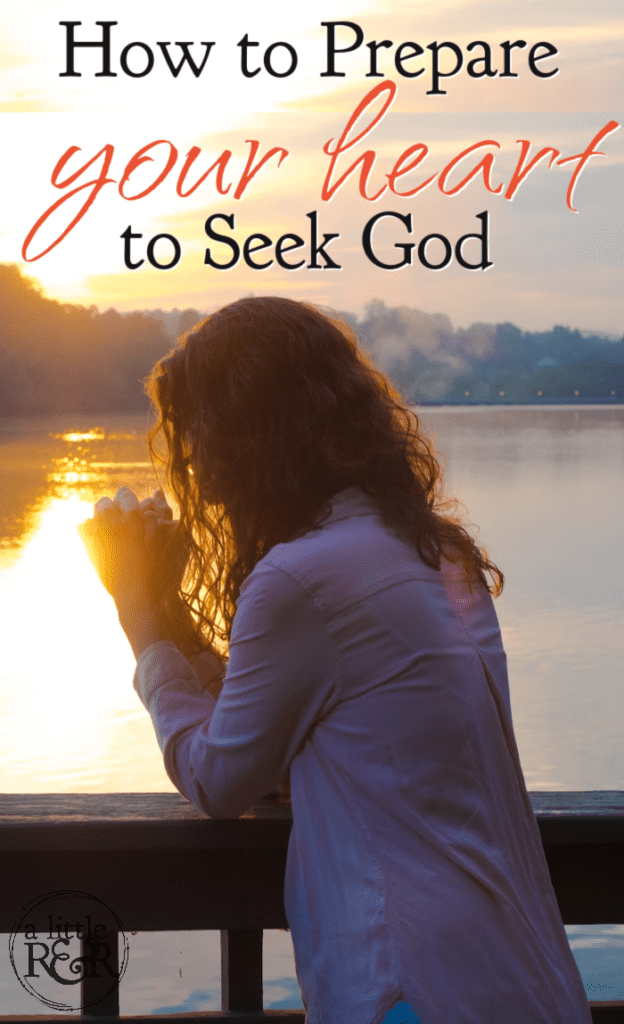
[(415, 867)]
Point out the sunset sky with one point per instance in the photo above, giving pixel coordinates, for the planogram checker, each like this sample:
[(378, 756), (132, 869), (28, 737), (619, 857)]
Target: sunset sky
[(550, 265)]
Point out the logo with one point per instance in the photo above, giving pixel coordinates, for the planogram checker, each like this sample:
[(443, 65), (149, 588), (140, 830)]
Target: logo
[(63, 939)]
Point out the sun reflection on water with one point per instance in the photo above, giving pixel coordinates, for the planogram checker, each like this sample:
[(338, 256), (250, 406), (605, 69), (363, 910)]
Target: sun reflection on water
[(66, 648), (97, 434), (70, 720)]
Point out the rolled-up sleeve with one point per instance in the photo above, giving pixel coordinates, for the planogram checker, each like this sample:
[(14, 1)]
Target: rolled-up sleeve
[(281, 679)]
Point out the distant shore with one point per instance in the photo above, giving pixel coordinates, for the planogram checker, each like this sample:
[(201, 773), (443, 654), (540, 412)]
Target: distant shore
[(502, 403), (81, 415)]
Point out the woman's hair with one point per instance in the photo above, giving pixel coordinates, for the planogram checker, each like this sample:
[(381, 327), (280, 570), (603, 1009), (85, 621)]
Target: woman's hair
[(268, 408)]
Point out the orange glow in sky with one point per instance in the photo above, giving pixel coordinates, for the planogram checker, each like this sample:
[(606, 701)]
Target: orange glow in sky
[(549, 265)]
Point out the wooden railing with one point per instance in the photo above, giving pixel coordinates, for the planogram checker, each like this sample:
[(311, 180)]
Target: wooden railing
[(161, 866)]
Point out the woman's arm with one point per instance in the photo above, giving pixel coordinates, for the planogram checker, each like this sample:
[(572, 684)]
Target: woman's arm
[(281, 679), (210, 670)]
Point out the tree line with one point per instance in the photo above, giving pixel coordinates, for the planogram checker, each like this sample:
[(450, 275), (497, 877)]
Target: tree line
[(66, 358)]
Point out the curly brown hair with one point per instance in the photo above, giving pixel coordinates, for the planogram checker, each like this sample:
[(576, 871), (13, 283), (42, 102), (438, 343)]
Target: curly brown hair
[(268, 408)]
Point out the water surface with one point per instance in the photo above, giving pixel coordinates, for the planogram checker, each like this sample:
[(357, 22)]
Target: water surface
[(545, 486)]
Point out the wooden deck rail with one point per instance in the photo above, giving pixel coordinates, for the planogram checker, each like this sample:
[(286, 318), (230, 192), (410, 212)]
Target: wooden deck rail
[(161, 866)]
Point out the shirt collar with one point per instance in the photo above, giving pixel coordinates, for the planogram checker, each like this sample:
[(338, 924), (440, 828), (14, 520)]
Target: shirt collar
[(350, 502)]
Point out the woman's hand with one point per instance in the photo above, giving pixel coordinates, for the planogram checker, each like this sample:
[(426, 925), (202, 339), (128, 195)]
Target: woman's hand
[(115, 540), (140, 556), (137, 554), (166, 546), (135, 547)]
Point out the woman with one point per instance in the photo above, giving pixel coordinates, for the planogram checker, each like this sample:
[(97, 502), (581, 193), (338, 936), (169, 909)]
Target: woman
[(364, 658)]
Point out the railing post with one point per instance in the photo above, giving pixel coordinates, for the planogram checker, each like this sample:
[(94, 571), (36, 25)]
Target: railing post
[(241, 970), (97, 1000)]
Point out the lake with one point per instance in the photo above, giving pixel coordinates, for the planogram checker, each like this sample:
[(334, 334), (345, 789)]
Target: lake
[(545, 485)]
